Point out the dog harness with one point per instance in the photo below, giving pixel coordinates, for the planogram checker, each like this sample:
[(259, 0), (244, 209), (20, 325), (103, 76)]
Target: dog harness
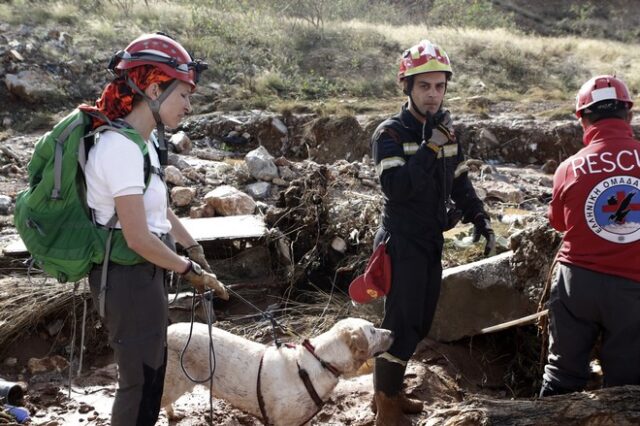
[(304, 376)]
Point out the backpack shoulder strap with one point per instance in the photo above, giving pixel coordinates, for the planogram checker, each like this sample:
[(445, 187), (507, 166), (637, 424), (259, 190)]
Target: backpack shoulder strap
[(77, 120)]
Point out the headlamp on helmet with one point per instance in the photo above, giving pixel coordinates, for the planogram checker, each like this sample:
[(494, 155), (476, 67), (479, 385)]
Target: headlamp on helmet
[(160, 51)]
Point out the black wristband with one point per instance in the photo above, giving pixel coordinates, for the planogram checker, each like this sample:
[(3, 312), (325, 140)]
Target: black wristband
[(189, 268)]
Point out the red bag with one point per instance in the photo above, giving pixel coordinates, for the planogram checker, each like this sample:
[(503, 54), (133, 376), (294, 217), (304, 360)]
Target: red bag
[(376, 280)]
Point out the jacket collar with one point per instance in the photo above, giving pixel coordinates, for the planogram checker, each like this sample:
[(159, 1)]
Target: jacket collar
[(409, 120), (609, 128)]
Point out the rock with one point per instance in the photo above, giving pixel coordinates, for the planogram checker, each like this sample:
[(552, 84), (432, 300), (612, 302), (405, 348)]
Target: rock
[(333, 138), (181, 142), (43, 365), (33, 86), (205, 210), (259, 190), (228, 201), (282, 162), (7, 122), (194, 175), (478, 295), (503, 191), (286, 173), (339, 245), (280, 182), (11, 362), (488, 138), (549, 167), (5, 205), (279, 126), (260, 164), (182, 196), (173, 176), (16, 55), (480, 101), (65, 38)]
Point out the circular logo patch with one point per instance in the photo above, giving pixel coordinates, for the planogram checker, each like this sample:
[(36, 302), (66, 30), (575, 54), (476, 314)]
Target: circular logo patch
[(612, 209)]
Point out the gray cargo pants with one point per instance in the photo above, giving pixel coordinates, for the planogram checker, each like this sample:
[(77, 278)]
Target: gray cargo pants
[(136, 318), (583, 305)]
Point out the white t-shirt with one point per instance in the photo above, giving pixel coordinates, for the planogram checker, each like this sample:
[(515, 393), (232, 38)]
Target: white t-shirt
[(115, 167)]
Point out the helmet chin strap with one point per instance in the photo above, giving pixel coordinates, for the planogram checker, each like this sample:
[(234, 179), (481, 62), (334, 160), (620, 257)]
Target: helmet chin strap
[(154, 106)]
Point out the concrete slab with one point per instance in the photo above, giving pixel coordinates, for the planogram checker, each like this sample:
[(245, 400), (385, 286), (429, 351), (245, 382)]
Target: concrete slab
[(478, 295), (202, 229)]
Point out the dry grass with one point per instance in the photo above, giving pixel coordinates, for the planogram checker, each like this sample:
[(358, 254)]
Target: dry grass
[(24, 305), (289, 59)]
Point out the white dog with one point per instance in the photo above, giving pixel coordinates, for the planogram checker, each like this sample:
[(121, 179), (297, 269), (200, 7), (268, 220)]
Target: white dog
[(280, 394)]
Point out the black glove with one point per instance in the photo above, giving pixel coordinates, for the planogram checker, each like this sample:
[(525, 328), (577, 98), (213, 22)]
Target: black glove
[(453, 217), (438, 129), (482, 227)]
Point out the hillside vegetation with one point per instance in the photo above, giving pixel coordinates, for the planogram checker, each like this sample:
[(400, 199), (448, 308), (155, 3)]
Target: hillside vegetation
[(281, 54)]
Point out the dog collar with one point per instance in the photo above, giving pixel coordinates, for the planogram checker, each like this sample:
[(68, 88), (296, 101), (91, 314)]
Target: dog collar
[(308, 346)]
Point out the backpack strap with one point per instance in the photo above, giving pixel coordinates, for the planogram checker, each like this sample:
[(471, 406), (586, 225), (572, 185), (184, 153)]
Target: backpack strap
[(57, 162)]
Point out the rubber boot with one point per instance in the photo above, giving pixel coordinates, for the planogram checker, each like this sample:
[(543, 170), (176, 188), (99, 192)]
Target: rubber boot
[(409, 405), (389, 411), (550, 389), (387, 382)]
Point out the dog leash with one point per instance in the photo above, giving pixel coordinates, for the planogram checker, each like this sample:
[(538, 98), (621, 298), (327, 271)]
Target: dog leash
[(211, 318)]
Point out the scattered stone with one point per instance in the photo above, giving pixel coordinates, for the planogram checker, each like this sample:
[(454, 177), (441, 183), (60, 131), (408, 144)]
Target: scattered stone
[(173, 176), (279, 125), (84, 408), (479, 102), (5, 204), (503, 191), (339, 245), (260, 164), (195, 175), (182, 196), (204, 210), (488, 138), (259, 190), (282, 161), (280, 182), (549, 167), (16, 55), (10, 362), (43, 365), (286, 173), (181, 142), (228, 201), (32, 86)]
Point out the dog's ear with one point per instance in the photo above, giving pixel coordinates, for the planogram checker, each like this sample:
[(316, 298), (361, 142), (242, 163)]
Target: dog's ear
[(359, 345)]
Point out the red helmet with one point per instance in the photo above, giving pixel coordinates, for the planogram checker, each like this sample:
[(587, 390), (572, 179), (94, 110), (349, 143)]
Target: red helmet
[(161, 51), (601, 88), (424, 57)]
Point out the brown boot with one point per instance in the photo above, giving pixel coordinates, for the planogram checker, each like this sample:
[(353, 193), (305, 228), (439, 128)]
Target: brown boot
[(408, 405), (390, 411)]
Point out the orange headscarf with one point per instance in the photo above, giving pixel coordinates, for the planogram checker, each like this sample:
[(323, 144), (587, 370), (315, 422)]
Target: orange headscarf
[(117, 98)]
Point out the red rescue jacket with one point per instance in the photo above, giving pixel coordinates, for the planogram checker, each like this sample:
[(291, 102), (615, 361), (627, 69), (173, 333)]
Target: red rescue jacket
[(596, 202)]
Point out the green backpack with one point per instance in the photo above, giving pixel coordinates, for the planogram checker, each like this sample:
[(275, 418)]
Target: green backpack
[(52, 216)]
